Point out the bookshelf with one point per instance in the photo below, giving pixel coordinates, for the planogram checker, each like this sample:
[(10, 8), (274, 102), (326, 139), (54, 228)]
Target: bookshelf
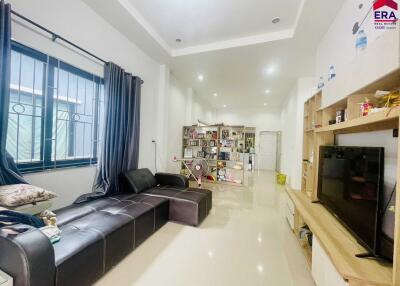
[(223, 147)]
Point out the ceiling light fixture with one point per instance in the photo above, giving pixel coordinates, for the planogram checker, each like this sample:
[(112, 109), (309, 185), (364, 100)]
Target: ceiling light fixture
[(267, 91), (265, 104), (276, 20), (215, 94), (260, 268), (224, 106), (271, 70), (200, 77)]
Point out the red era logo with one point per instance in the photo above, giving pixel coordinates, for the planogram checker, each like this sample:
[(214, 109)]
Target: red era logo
[(389, 3)]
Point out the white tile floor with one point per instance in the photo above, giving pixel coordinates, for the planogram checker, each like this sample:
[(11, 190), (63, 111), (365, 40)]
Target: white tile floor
[(244, 241)]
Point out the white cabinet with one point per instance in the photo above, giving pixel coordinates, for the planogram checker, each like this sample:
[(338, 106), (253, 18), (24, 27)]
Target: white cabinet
[(288, 207), (323, 271)]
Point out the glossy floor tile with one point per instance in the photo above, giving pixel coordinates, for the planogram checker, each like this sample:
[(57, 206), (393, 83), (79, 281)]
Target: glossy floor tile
[(244, 241)]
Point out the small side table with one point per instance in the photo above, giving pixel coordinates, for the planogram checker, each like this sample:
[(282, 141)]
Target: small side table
[(5, 280)]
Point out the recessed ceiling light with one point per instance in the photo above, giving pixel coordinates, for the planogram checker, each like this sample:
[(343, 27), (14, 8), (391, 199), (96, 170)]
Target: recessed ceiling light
[(276, 20), (215, 94), (178, 40), (267, 91), (271, 70), (265, 104), (260, 268), (200, 77), (224, 106)]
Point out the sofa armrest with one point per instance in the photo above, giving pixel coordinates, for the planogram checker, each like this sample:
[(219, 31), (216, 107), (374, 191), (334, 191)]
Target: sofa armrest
[(28, 257), (172, 180)]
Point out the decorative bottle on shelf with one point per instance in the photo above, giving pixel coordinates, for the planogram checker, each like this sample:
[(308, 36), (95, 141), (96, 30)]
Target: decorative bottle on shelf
[(332, 73), (361, 41), (321, 83)]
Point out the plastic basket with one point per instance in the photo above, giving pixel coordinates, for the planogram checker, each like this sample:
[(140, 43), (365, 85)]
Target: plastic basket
[(281, 179)]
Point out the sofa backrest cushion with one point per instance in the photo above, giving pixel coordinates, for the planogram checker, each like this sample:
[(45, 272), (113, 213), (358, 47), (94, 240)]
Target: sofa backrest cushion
[(140, 180)]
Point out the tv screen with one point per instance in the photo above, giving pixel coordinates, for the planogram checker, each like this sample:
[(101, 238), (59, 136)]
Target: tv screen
[(349, 185)]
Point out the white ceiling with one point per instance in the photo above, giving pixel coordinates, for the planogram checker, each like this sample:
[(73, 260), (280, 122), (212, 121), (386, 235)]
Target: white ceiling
[(231, 42), (199, 22)]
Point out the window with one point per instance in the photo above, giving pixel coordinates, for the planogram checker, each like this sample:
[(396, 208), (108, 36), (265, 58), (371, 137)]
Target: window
[(54, 112)]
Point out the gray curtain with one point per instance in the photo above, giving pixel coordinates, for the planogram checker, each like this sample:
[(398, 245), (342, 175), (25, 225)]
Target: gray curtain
[(9, 173), (120, 142)]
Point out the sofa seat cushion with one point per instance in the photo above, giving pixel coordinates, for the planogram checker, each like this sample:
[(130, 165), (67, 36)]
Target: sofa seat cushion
[(81, 250), (160, 205), (185, 206), (144, 217), (76, 211), (207, 193), (117, 231)]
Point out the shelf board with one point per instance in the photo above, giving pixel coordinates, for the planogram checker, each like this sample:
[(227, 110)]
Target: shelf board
[(340, 245), (200, 139), (386, 119)]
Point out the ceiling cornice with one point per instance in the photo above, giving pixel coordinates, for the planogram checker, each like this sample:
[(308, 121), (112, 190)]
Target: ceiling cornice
[(146, 25), (234, 43), (214, 46)]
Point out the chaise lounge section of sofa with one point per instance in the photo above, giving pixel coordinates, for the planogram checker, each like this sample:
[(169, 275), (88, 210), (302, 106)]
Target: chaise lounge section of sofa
[(97, 235)]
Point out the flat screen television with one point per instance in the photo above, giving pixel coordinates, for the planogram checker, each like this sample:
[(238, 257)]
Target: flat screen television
[(350, 186)]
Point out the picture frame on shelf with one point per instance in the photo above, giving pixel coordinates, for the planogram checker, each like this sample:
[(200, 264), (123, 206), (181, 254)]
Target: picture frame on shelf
[(188, 153), (225, 134)]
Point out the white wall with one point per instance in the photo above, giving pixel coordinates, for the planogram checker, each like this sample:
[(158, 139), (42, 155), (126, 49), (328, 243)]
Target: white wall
[(184, 108), (203, 111), (292, 131), (338, 46), (289, 117), (176, 120), (329, 52), (262, 118), (75, 21), (68, 183)]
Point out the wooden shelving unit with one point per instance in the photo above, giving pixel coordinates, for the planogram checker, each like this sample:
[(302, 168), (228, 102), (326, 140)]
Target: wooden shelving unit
[(337, 242), (222, 146), (312, 120), (340, 245)]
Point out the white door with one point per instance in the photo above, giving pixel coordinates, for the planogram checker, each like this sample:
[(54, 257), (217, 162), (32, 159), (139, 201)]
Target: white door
[(267, 151)]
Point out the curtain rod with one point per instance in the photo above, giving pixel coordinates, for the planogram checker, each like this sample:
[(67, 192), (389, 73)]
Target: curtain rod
[(55, 36)]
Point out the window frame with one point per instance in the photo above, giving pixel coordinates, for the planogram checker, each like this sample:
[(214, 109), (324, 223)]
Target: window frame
[(46, 161)]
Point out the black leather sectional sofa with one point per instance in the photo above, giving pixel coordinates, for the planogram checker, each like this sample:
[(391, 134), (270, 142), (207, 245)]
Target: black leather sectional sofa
[(97, 235)]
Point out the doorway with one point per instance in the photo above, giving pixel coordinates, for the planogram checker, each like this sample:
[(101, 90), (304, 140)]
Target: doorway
[(268, 150)]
